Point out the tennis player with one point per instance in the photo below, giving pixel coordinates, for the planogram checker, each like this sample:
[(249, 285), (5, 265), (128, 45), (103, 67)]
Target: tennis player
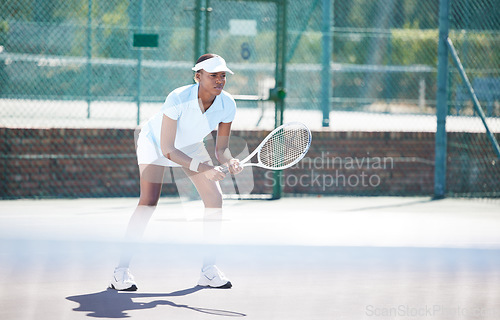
[(174, 138)]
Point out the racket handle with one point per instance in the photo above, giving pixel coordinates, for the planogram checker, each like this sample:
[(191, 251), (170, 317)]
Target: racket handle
[(223, 169)]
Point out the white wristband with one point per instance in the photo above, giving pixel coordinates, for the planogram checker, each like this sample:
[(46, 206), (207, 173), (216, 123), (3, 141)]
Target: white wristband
[(193, 166)]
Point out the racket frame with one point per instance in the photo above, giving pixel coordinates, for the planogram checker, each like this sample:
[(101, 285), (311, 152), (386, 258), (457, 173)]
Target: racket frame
[(245, 162)]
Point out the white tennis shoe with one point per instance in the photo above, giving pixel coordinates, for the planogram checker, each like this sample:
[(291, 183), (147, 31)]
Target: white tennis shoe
[(212, 277), (123, 280)]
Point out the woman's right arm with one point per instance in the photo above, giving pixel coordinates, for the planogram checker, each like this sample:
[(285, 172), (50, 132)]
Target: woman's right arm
[(167, 144)]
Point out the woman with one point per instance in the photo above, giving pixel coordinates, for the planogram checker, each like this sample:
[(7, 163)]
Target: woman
[(174, 138)]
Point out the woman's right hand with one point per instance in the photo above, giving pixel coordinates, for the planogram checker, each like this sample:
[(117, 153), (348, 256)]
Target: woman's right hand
[(211, 173)]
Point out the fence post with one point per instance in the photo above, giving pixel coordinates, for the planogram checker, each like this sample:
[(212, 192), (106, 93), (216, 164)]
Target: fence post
[(139, 64), (89, 56), (441, 101), (279, 92), (206, 43), (197, 30), (326, 78)]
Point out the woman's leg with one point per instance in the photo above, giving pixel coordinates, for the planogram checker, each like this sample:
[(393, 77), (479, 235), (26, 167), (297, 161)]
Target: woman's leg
[(211, 196), (209, 190), (151, 178)]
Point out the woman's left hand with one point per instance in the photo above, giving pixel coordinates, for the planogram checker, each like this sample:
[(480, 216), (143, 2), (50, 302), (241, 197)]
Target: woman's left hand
[(234, 166)]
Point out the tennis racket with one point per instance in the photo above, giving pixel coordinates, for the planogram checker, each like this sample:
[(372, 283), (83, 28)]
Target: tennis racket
[(282, 148)]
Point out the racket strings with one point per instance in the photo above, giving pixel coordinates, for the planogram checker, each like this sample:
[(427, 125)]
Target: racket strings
[(284, 147)]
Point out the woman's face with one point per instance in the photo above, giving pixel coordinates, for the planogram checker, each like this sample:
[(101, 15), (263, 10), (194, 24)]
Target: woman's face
[(212, 83)]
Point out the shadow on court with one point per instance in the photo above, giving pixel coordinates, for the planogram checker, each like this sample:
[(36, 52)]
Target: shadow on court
[(113, 304)]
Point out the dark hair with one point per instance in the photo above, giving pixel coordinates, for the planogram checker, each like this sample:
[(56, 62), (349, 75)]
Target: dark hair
[(202, 58)]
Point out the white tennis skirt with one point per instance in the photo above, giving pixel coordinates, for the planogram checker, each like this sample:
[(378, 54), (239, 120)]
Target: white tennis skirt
[(148, 152)]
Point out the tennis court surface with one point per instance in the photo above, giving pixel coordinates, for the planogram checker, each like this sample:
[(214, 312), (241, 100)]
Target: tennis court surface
[(294, 258)]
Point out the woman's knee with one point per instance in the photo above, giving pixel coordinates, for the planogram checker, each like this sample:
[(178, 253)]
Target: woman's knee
[(150, 192), (149, 197), (148, 201)]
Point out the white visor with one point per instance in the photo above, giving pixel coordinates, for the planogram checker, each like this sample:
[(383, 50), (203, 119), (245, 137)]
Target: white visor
[(212, 65)]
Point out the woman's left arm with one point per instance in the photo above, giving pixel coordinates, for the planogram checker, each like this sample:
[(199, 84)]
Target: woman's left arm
[(222, 151)]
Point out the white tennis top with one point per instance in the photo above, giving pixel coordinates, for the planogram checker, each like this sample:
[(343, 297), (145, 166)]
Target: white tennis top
[(193, 125)]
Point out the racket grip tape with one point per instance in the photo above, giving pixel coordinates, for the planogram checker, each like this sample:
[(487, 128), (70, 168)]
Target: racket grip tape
[(223, 169)]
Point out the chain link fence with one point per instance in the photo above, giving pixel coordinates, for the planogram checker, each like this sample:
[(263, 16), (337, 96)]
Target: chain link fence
[(473, 166), (61, 60), (383, 60), (73, 65)]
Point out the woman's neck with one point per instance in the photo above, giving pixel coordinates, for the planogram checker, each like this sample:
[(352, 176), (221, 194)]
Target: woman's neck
[(205, 100)]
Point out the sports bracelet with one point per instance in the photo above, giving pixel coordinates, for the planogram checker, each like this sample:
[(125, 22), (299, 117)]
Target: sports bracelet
[(193, 166)]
